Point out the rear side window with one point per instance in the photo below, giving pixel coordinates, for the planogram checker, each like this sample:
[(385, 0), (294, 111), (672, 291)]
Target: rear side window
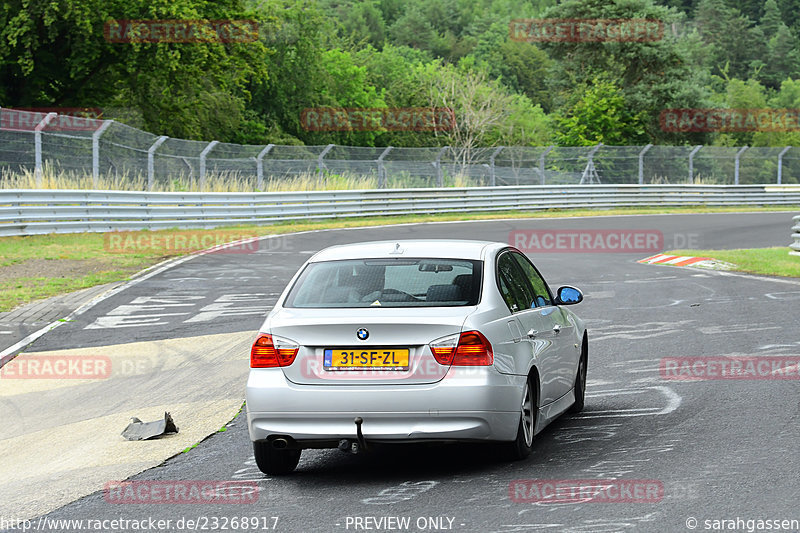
[(515, 289), (388, 283), (540, 289)]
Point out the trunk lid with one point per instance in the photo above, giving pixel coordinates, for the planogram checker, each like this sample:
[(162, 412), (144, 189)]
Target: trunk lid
[(389, 330)]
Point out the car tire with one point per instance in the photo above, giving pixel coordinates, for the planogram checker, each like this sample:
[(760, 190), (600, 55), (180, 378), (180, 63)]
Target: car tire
[(580, 384), (521, 447), (275, 462)]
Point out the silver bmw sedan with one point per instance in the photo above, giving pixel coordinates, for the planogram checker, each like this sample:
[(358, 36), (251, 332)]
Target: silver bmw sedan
[(410, 341)]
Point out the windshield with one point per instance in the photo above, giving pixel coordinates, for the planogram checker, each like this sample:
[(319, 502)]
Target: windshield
[(388, 283)]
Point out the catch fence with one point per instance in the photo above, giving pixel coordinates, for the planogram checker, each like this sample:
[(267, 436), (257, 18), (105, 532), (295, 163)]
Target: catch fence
[(39, 142)]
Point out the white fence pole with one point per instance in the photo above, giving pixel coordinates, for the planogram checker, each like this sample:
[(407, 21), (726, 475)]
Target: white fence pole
[(541, 162), (491, 165), (691, 162), (780, 163), (641, 163), (438, 165), (96, 151), (736, 168), (151, 169), (381, 168), (203, 156), (260, 165), (37, 141), (321, 160)]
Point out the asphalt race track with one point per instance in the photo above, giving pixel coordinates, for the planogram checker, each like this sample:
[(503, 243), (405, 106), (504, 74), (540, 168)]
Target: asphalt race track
[(719, 449)]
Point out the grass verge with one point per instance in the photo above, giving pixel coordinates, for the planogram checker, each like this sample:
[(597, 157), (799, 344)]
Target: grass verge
[(41, 266), (767, 261)]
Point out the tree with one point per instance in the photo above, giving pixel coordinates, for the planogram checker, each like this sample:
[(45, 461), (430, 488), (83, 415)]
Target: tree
[(414, 29), (737, 47), (345, 85), (391, 10), (395, 70), (787, 97), (297, 40), (358, 21), (523, 67), (740, 94), (599, 115), (36, 71), (789, 13), (55, 54), (486, 114), (783, 58), (653, 74), (771, 20)]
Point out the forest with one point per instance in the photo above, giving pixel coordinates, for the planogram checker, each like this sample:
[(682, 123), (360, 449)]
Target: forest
[(455, 54)]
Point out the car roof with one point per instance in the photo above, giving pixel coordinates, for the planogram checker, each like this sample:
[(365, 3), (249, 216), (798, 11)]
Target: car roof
[(429, 248)]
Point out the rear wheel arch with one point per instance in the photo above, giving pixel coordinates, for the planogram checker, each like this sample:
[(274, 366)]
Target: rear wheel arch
[(585, 348), (522, 445), (580, 377), (533, 378)]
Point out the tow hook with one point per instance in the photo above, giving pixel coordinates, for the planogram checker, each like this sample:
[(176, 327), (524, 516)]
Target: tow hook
[(361, 442)]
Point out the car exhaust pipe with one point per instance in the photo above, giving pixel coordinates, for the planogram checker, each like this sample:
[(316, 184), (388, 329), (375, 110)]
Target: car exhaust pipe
[(280, 443)]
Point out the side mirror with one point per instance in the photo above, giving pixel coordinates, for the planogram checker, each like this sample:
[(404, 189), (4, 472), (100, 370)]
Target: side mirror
[(568, 295)]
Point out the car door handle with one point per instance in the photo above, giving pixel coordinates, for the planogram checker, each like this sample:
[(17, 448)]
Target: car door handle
[(532, 333), (556, 329)]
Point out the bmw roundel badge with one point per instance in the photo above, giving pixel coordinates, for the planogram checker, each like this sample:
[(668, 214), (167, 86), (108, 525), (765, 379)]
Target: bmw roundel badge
[(362, 334)]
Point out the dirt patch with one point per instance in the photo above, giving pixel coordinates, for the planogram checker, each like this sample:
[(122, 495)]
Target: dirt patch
[(59, 268)]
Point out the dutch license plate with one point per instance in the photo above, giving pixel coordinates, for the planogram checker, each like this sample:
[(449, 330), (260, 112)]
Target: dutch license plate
[(379, 358)]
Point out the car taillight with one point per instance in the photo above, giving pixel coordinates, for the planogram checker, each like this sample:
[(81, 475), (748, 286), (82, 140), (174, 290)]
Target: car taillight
[(269, 351), (444, 349), (470, 348)]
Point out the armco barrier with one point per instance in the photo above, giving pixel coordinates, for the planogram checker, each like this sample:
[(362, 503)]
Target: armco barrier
[(795, 246), (41, 211)]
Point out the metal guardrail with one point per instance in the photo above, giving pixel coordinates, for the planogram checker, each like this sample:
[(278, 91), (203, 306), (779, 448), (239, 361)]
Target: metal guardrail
[(38, 211), (795, 246)]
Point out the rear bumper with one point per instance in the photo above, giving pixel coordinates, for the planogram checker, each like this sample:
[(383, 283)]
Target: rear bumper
[(475, 403)]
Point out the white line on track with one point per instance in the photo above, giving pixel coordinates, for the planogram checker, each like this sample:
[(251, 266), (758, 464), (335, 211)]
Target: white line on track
[(673, 402)]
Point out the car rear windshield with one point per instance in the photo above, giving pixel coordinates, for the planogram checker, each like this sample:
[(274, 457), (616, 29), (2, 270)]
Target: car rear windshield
[(388, 283)]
